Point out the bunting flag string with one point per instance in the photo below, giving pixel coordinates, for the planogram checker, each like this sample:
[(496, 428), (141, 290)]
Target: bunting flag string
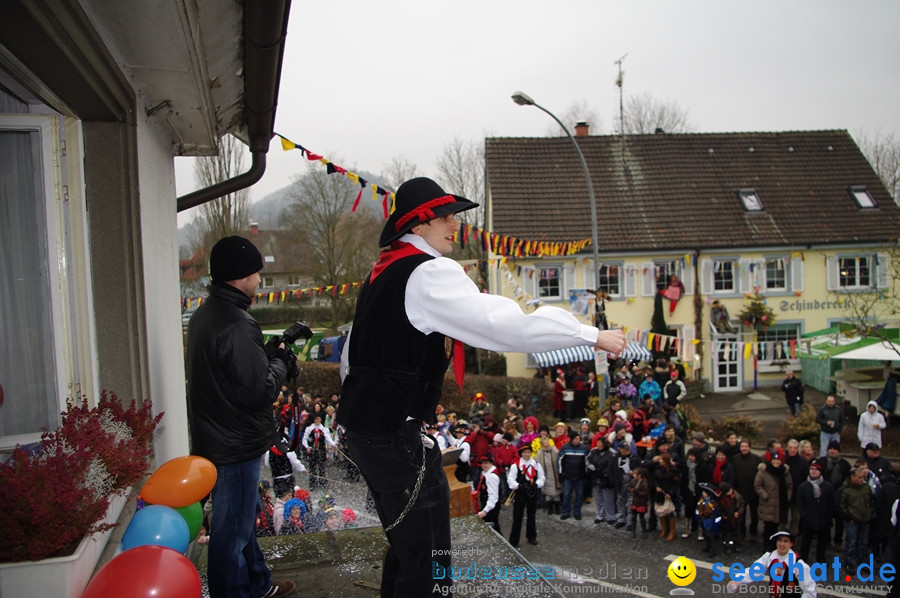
[(284, 296), (504, 245)]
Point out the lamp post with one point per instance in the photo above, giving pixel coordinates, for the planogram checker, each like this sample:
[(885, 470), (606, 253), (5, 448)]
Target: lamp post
[(524, 100)]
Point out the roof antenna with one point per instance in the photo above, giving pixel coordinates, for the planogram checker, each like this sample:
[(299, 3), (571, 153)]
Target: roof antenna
[(620, 80)]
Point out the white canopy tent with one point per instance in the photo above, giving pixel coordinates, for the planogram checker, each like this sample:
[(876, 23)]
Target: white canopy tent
[(883, 351)]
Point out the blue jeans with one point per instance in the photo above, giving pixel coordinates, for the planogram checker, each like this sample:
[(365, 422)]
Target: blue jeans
[(236, 564), (824, 439), (572, 487), (856, 543)]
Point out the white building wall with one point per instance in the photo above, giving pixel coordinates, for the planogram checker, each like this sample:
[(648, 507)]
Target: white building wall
[(159, 240)]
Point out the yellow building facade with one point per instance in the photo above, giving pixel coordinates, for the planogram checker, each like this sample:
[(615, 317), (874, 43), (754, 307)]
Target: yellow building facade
[(802, 287)]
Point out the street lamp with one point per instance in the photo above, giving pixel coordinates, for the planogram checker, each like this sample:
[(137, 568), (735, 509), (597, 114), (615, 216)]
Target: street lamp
[(524, 100)]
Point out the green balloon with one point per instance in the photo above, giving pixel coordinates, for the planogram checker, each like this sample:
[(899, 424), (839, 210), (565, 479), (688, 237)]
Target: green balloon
[(193, 515)]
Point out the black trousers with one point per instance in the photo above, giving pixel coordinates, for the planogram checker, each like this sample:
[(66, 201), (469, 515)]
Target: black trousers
[(493, 517), (523, 502), (823, 539), (420, 544)]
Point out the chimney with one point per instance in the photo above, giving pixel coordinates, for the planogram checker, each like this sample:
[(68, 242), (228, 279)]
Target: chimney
[(254, 229), (582, 128)]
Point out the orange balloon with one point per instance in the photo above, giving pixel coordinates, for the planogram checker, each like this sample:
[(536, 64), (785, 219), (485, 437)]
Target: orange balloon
[(180, 482)]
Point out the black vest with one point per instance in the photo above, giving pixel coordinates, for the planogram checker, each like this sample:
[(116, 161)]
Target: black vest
[(395, 371)]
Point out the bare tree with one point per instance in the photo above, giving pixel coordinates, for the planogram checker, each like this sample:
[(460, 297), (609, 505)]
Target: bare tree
[(461, 172), (575, 113), (871, 311), (645, 114), (398, 170), (340, 242), (883, 152), (227, 215)]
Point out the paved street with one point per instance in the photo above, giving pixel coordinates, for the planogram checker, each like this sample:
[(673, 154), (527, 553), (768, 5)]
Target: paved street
[(578, 557)]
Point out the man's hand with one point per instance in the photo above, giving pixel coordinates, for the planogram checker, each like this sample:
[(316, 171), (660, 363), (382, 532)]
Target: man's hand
[(611, 341)]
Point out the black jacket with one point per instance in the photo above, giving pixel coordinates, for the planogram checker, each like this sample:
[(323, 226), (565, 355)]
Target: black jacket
[(601, 465), (231, 382), (815, 514)]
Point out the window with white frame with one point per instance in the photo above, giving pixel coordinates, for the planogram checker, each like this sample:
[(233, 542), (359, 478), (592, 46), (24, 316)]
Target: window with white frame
[(775, 342), (854, 272), (610, 279), (724, 276), (549, 282), (46, 322), (776, 274), (293, 280), (268, 282), (656, 275)]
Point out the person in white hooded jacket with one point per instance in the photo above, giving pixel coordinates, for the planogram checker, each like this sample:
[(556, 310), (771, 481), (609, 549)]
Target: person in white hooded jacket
[(871, 423)]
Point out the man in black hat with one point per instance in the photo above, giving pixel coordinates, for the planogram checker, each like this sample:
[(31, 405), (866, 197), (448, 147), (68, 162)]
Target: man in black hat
[(414, 308), (231, 387)]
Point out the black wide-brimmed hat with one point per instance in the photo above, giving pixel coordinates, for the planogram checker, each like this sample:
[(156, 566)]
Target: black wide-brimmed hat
[(417, 201)]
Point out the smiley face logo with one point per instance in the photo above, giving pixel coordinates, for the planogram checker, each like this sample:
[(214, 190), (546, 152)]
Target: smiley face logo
[(682, 571)]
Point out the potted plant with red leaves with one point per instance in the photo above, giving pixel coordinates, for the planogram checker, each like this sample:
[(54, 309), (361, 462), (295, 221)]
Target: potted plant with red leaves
[(58, 493)]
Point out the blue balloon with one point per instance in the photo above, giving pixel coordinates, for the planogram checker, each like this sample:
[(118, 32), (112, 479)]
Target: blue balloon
[(157, 525)]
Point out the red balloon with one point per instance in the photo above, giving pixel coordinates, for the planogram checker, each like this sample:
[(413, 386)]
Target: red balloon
[(148, 571), (180, 482)]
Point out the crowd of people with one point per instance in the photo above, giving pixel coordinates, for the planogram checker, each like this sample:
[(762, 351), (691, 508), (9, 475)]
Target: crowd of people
[(676, 482)]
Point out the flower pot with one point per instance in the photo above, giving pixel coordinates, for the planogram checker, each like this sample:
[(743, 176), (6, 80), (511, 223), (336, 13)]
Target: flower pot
[(60, 577)]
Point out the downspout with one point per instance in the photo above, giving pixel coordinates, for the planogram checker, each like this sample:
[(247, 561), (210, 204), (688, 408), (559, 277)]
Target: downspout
[(265, 30)]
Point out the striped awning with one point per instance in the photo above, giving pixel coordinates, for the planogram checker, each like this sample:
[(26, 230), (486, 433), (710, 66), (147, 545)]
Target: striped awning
[(563, 356), (635, 351)]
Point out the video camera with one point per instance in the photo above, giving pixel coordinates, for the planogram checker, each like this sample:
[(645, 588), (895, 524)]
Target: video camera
[(288, 337)]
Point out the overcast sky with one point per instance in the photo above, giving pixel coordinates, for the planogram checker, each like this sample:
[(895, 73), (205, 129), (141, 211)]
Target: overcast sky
[(366, 81)]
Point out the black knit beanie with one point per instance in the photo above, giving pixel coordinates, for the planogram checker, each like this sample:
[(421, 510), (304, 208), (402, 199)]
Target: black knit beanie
[(233, 258)]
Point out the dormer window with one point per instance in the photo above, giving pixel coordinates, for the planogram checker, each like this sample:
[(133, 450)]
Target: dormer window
[(750, 199), (862, 196)]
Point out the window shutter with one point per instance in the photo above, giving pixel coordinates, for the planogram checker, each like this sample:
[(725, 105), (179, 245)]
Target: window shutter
[(688, 350), (706, 277), (629, 280), (882, 276), (568, 281), (687, 279), (530, 279), (744, 278), (796, 273), (831, 273), (648, 279)]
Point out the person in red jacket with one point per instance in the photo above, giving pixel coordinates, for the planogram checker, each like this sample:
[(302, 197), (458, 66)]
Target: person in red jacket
[(480, 443)]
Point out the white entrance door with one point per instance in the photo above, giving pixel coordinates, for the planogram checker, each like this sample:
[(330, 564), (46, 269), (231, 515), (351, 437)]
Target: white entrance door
[(727, 365)]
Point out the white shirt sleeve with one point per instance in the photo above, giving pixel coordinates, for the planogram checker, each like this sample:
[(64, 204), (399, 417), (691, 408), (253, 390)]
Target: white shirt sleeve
[(511, 476), (441, 298), (305, 440), (540, 475), (492, 481), (466, 451), (296, 465)]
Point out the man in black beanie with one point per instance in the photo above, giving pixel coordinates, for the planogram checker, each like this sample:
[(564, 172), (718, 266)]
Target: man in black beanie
[(231, 387)]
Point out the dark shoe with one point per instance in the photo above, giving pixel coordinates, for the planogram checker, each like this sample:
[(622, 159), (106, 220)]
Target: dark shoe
[(563, 517), (533, 542), (577, 517), (279, 588), (611, 522), (620, 525), (598, 521)]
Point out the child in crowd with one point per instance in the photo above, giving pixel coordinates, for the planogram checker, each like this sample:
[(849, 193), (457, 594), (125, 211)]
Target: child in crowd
[(639, 489), (732, 504), (710, 515)]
